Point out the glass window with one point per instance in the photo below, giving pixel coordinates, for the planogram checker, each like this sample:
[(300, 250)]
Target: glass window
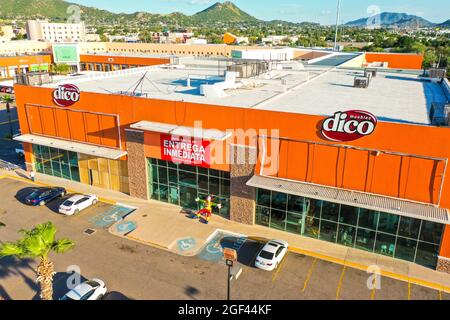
[(388, 223), (279, 200), (202, 170), (161, 163), (187, 167), (312, 227), (294, 222), (405, 249), (368, 219), (163, 193), (75, 173), (431, 232), (427, 254), (295, 203), (203, 183), (347, 235), (154, 174), (348, 215), (330, 211), (65, 171), (365, 239), (187, 178), (313, 208), (173, 176), (155, 191), (73, 159), (214, 185), (263, 197), (385, 244), (328, 231), (278, 219), (262, 216), (409, 227), (225, 188), (214, 173), (162, 174)]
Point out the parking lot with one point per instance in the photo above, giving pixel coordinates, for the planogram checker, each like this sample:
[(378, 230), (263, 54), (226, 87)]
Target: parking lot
[(8, 146), (136, 271)]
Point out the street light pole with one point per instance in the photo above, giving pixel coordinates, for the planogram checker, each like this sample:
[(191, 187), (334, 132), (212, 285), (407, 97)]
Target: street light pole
[(229, 280), (337, 24)]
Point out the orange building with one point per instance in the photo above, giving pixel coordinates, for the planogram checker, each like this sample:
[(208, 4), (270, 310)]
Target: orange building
[(105, 63), (12, 65), (364, 168)]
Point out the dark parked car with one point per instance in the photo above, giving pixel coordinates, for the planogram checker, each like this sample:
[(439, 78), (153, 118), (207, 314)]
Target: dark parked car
[(42, 196)]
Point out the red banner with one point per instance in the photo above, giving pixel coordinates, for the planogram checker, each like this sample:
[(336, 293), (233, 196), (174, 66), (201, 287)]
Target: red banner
[(185, 150)]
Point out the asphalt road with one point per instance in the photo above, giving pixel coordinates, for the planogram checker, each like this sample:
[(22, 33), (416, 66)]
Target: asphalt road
[(136, 271)]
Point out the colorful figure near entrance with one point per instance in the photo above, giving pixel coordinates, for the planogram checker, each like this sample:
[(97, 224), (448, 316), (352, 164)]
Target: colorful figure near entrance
[(204, 214)]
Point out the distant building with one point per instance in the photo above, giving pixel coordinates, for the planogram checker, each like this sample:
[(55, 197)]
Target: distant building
[(276, 40), (229, 38), (6, 33), (56, 32), (92, 37)]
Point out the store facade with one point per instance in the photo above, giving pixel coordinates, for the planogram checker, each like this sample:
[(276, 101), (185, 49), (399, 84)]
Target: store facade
[(374, 191)]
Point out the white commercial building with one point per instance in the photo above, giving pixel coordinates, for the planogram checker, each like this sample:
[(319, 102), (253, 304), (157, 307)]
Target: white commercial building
[(56, 32)]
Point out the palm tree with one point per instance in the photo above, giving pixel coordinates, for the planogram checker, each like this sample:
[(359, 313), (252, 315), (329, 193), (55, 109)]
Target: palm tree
[(38, 243)]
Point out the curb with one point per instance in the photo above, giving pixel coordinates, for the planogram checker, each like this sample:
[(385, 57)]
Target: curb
[(362, 267)]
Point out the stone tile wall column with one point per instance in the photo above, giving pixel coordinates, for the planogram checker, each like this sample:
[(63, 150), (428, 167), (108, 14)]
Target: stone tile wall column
[(137, 164), (242, 197), (443, 265)]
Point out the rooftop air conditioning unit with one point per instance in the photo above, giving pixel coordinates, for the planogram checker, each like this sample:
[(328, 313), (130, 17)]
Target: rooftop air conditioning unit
[(361, 82), (437, 73), (371, 71), (440, 114)]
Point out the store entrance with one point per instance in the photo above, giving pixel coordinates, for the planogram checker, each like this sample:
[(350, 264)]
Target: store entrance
[(181, 184), (187, 197)]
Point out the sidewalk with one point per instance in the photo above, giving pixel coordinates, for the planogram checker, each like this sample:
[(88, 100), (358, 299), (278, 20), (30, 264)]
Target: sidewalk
[(163, 225)]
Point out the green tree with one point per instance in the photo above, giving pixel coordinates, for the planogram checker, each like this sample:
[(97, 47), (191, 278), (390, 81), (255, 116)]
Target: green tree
[(38, 243), (429, 59), (60, 68)]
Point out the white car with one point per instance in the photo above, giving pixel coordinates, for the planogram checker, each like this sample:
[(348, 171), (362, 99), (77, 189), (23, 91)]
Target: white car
[(93, 289), (271, 255), (77, 203)]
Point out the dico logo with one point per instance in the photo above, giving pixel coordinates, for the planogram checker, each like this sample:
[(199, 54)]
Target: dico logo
[(66, 95), (349, 125)]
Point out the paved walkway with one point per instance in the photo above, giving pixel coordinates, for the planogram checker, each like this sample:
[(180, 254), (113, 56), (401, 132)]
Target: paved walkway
[(164, 225)]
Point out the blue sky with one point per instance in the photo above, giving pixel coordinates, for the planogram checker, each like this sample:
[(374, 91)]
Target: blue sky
[(322, 11)]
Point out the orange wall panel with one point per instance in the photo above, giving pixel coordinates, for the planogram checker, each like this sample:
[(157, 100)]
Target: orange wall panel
[(356, 167), (397, 60), (325, 169), (125, 60)]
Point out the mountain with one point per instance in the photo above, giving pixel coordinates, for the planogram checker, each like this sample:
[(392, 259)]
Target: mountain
[(445, 24), (226, 11), (56, 10), (391, 19)]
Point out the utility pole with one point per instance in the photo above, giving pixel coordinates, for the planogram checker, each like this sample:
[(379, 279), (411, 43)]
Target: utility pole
[(337, 24)]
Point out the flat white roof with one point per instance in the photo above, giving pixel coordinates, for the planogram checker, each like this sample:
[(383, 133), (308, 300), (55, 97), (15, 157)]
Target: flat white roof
[(102, 152), (392, 96)]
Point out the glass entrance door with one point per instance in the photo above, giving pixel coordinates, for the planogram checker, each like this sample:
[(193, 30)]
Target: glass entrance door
[(187, 197)]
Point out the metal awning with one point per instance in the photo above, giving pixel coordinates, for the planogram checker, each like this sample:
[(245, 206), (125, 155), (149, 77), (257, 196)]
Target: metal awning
[(207, 134), (84, 148), (353, 198)]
